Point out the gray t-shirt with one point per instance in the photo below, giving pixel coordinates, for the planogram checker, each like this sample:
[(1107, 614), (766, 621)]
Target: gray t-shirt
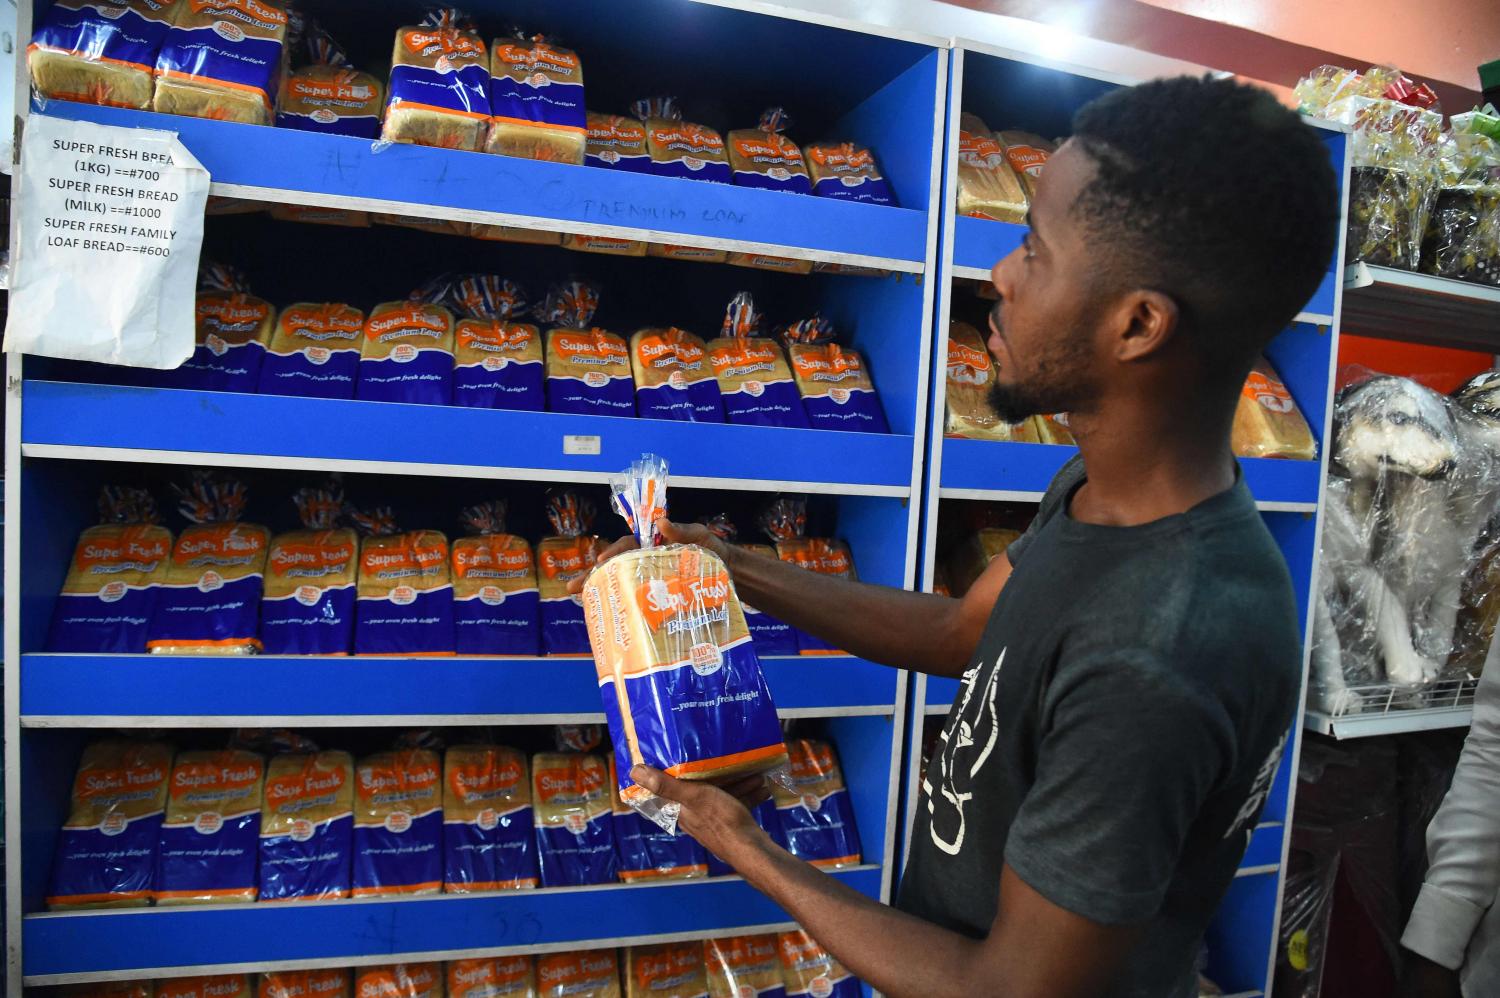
[(1116, 735)]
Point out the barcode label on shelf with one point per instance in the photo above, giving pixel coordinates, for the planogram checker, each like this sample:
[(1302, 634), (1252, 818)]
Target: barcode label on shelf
[(580, 444)]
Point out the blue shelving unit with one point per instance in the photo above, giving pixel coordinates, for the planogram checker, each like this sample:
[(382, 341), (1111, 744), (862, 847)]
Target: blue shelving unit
[(71, 429), (1018, 89)]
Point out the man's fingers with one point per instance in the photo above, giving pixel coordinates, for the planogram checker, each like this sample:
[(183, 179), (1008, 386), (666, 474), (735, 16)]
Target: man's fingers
[(746, 785), (626, 543), (659, 783), (676, 533)]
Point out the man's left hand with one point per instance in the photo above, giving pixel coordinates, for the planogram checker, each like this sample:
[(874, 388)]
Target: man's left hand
[(717, 817)]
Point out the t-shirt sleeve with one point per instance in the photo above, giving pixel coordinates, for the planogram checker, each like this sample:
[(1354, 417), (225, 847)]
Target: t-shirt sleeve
[(1129, 756), (1063, 483)]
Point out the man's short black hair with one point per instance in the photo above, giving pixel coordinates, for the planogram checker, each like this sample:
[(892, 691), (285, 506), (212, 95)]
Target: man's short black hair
[(1211, 191)]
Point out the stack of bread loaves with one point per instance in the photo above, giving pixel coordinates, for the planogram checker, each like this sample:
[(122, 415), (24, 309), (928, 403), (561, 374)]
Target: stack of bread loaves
[(308, 606), (222, 59), (440, 84), (536, 100), (100, 51)]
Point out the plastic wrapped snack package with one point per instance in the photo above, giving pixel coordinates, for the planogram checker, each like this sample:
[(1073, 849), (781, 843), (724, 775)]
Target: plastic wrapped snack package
[(309, 214), (405, 591), (763, 157), (593, 973), (743, 967), (837, 393), (673, 377), (1267, 422), (1052, 428), (218, 986), (769, 635), (616, 142), (536, 100), (974, 554), (493, 977), (784, 520), (407, 351), (1027, 154), (308, 606), (567, 555), (314, 351), (817, 818), (114, 579), (666, 970), (222, 59), (398, 823), (489, 840), (211, 835), (765, 261), (327, 94), (680, 148), (100, 51), (578, 737), (847, 171), (645, 850), (106, 850), (210, 601), (497, 361), (971, 374), (607, 245), (511, 234), (588, 369), (755, 381), (437, 226), (327, 983), (1463, 233), (440, 84), (809, 970), (496, 608), (697, 254), (766, 816), (232, 329), (575, 834), (307, 827), (987, 186), (679, 679), (399, 980)]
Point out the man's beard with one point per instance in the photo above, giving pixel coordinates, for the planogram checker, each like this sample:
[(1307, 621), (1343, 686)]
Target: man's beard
[(1013, 403), (1055, 384)]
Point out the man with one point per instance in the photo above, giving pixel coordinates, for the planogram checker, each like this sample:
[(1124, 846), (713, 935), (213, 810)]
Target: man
[(1131, 668)]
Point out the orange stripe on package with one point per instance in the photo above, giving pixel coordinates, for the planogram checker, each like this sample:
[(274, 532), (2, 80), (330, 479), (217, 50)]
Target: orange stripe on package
[(405, 593), (211, 835), (308, 826), (585, 974), (674, 378), (588, 369)]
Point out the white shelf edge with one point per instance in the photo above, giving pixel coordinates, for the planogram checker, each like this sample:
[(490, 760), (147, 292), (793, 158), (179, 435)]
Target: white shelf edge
[(1363, 275), (1316, 318), (991, 495), (1256, 871), (970, 273), (1286, 507), (936, 709), (1393, 722)]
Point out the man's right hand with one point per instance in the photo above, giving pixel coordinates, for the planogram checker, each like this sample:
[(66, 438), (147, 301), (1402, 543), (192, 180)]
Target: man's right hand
[(672, 533), (1424, 979)]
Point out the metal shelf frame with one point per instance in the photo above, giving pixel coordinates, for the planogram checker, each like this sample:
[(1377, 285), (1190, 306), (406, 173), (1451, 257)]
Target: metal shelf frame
[(1394, 304)]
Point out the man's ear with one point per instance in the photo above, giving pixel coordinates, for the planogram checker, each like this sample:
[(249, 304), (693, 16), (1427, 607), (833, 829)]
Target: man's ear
[(1145, 322)]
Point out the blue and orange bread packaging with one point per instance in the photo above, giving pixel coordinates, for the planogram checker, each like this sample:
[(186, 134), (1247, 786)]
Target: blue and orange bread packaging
[(588, 369), (835, 384), (743, 967), (497, 361), (769, 635), (784, 520), (312, 214), (810, 971), (754, 379), (607, 245), (439, 93), (100, 51), (673, 377), (678, 677), (567, 555), (593, 973), (763, 157), (512, 234), (817, 819), (616, 142), (407, 352), (697, 254), (489, 841), (496, 603), (578, 737), (210, 601), (327, 94), (536, 100), (217, 986), (314, 351), (398, 823), (646, 851), (575, 835), (106, 850), (233, 328), (767, 261), (114, 579), (680, 148), (308, 606), (846, 171), (211, 835), (405, 592), (666, 970), (399, 980), (307, 827), (493, 977), (222, 59), (325, 983)]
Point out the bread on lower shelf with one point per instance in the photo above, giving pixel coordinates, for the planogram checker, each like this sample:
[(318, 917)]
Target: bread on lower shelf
[(987, 186), (307, 827), (673, 969), (210, 838), (1267, 422), (398, 823)]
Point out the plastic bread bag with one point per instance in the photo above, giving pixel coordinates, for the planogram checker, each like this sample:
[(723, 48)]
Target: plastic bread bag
[(440, 84), (1463, 232), (817, 818), (536, 100), (100, 51), (784, 520), (743, 967), (489, 840), (970, 375), (673, 377), (1267, 422), (210, 601), (973, 555), (567, 555), (114, 579), (591, 973), (222, 59), (680, 148), (666, 970), (588, 369), (616, 142), (1052, 428), (678, 676), (407, 352), (809, 970), (307, 827), (328, 983), (217, 986), (326, 93), (767, 261), (697, 254), (106, 850), (308, 214), (400, 980), (493, 977), (495, 597), (987, 186), (607, 245), (646, 851), (398, 823), (405, 590), (1027, 154), (511, 234), (308, 606), (497, 361), (755, 381), (575, 832), (763, 157), (314, 351), (769, 635), (578, 737), (837, 393), (211, 835), (847, 171), (232, 330)]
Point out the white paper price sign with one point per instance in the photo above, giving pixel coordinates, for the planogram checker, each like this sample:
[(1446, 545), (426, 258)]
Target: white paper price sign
[(104, 267)]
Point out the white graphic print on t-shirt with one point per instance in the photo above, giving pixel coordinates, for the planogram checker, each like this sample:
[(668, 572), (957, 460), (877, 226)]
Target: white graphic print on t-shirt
[(958, 764)]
